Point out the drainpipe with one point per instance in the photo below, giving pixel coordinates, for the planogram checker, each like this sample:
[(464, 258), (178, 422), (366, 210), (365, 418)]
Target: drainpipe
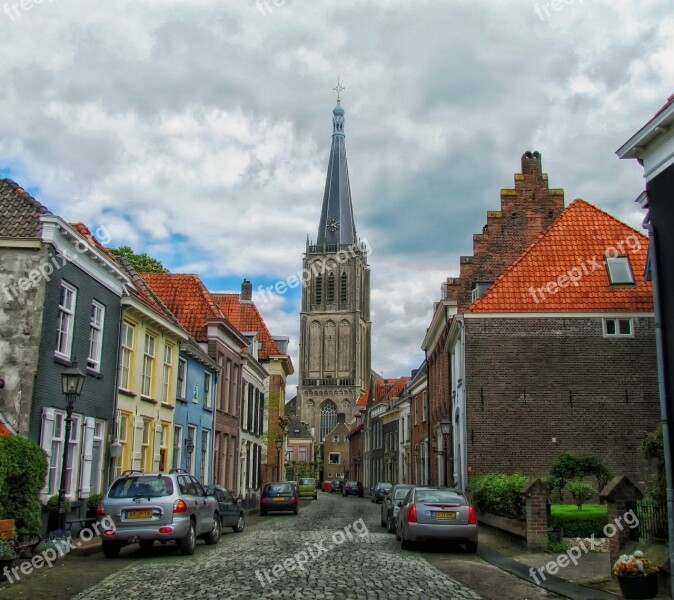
[(113, 435), (662, 389), (428, 418)]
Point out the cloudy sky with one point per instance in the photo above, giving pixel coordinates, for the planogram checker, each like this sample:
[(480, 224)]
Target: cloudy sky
[(198, 131)]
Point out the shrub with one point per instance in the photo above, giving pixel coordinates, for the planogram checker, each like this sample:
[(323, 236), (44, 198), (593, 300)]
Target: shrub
[(53, 504), (499, 494), (581, 492), (581, 524), (653, 448), (93, 501), (23, 467)]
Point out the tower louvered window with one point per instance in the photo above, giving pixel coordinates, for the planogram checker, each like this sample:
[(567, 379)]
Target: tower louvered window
[(343, 291), (318, 290), (331, 288)]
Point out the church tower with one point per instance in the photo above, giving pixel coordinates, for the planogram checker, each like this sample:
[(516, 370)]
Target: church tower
[(335, 318)]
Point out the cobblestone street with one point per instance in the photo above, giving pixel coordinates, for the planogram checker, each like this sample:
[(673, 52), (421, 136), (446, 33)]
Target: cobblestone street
[(369, 565)]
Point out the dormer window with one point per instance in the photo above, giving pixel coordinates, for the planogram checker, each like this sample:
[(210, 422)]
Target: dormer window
[(619, 270), (480, 289)]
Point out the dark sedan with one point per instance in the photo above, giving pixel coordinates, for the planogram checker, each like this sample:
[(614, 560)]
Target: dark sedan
[(336, 486), (231, 512), (391, 504), (353, 488), (278, 496), (380, 490)]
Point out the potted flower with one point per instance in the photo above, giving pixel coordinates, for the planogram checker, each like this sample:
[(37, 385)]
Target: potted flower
[(7, 554), (637, 576)]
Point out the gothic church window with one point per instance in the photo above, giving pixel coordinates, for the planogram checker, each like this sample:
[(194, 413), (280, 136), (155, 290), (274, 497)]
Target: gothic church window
[(328, 418)]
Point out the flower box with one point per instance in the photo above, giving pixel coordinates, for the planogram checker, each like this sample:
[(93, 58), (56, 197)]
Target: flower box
[(637, 588)]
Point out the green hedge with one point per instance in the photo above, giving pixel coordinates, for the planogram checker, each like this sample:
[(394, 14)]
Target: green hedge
[(23, 468), (499, 494), (591, 520)]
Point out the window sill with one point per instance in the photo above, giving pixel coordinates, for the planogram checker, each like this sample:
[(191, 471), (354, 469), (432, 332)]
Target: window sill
[(208, 408), (148, 399), (61, 360), (128, 393), (167, 405), (94, 374), (181, 400)]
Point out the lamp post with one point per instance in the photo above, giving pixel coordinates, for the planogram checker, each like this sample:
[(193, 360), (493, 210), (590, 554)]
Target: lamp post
[(445, 428), (72, 381), (279, 445), (190, 448), (416, 463)]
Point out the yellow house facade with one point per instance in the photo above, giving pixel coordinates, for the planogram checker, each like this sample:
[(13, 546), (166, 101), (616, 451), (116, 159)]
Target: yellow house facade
[(147, 379)]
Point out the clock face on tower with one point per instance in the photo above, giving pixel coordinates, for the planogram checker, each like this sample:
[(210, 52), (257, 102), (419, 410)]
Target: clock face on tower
[(333, 224)]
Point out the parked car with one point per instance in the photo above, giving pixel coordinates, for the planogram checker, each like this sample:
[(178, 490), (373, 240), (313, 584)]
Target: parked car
[(437, 514), (231, 511), (326, 486), (380, 490), (336, 486), (353, 488), (279, 496), (165, 507), (307, 488), (391, 504)]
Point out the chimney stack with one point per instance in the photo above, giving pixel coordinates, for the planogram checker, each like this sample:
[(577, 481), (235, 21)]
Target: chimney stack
[(246, 291), (531, 163)]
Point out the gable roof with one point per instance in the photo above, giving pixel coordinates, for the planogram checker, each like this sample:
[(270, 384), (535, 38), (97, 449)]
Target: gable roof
[(20, 212), (187, 298), (574, 245), (245, 316)]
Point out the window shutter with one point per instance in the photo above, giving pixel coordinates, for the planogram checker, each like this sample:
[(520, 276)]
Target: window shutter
[(137, 461), (87, 455), (46, 436), (156, 458)]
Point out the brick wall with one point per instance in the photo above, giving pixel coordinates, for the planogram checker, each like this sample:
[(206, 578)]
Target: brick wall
[(531, 380)]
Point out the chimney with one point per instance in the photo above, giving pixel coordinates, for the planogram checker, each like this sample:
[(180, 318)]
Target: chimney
[(531, 163), (246, 290)]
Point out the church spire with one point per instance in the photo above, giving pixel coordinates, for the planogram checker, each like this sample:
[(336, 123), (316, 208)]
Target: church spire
[(337, 225)]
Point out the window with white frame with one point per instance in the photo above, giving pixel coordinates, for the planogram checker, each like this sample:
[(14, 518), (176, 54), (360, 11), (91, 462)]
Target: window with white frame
[(148, 364), (65, 320), (619, 270), (192, 442), (182, 378), (424, 406), (290, 454), (97, 457), (177, 446), (205, 444), (168, 371), (146, 446), (208, 390), (123, 422), (126, 357), (303, 454), (335, 439), (333, 458), (73, 465), (56, 453), (618, 328), (96, 336)]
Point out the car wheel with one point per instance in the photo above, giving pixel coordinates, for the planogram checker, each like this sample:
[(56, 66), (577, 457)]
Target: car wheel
[(381, 521), (316, 497), (263, 512), (296, 510), (213, 536), (188, 543), (404, 544), (471, 547), (240, 524), (390, 527), (397, 533), (111, 549), (146, 544)]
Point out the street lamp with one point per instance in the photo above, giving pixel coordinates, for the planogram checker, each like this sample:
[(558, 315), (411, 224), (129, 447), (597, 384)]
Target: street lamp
[(72, 381), (279, 445), (445, 428)]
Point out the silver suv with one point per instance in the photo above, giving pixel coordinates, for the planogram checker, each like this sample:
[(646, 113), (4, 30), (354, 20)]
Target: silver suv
[(164, 507)]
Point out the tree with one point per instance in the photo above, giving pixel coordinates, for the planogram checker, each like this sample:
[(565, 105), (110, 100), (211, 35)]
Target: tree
[(140, 262)]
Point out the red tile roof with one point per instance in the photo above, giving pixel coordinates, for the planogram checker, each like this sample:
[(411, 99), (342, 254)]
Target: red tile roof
[(573, 246), (4, 430), (362, 401), (187, 298), (245, 316)]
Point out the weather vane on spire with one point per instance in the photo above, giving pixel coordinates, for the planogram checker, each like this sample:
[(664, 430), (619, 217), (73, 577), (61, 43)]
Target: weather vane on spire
[(338, 88)]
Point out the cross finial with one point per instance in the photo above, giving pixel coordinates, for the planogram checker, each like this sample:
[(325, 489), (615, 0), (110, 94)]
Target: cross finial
[(338, 88)]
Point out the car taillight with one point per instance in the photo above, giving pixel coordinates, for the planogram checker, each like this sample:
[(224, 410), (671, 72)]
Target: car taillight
[(165, 529), (412, 514), (263, 501), (180, 506), (100, 511), (472, 516), (293, 499)]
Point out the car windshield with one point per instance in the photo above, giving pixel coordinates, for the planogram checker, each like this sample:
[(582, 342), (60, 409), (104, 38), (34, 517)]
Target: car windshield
[(439, 496), (385, 486), (352, 483), (279, 488), (307, 482), (144, 487), (400, 493)]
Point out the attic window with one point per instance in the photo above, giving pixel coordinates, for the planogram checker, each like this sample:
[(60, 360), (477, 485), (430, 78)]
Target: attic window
[(619, 270), (480, 289), (618, 328)]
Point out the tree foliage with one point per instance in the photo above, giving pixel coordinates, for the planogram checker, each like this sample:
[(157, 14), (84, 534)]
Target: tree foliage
[(569, 466), (653, 447), (141, 262), (581, 492), (23, 468)]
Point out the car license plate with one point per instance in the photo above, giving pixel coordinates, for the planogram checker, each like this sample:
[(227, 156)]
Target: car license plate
[(279, 499), (444, 515), (139, 514)]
